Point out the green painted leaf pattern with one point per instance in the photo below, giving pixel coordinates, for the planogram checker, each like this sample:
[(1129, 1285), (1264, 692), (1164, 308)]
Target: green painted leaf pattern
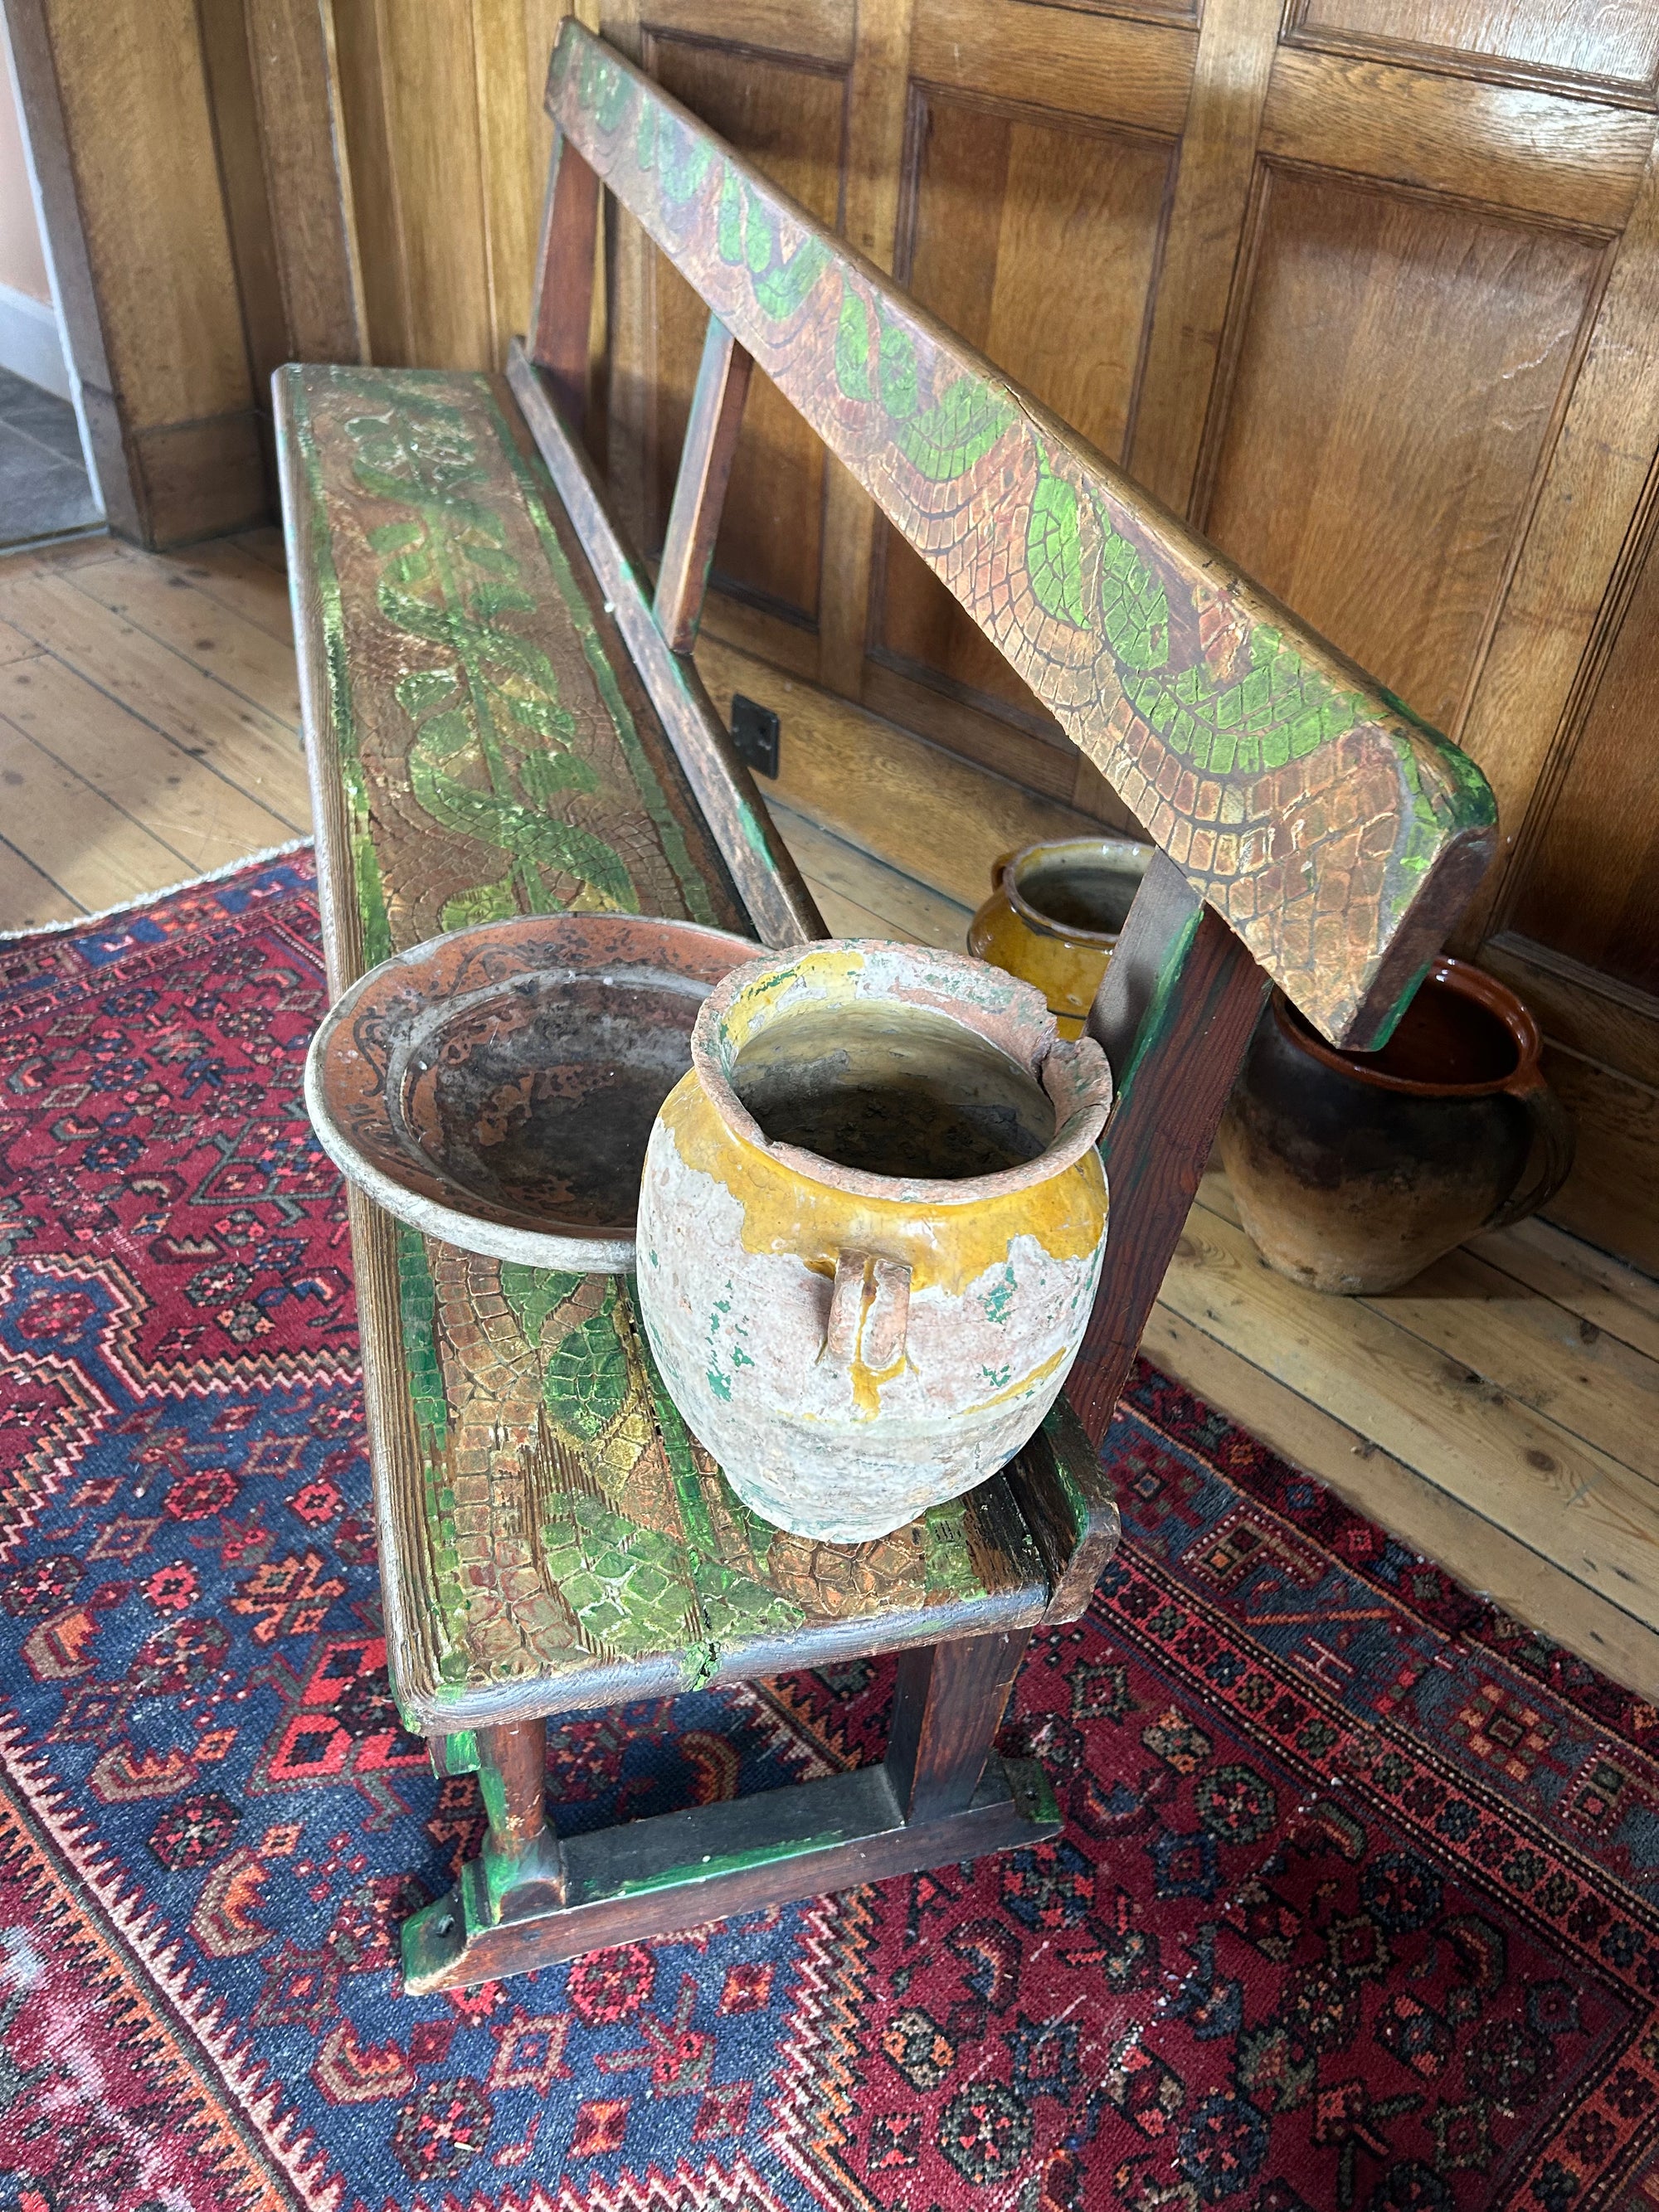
[(417, 1303), (538, 713), (957, 431), (896, 368), (728, 231), (1133, 609), (853, 346), (392, 536), (736, 1605), (495, 902), (418, 618), (950, 1570), (1280, 711), (534, 1292), (498, 704), (423, 688), (1054, 554), (604, 89), (627, 1586), (588, 1377), (683, 164), (780, 287)]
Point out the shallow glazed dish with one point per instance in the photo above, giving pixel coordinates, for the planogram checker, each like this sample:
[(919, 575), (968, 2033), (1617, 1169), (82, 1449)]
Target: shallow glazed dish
[(495, 1088)]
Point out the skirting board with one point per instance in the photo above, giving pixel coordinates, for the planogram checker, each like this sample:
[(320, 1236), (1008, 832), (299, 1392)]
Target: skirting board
[(29, 344)]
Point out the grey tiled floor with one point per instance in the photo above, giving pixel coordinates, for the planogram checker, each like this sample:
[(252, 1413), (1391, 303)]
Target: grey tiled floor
[(44, 491)]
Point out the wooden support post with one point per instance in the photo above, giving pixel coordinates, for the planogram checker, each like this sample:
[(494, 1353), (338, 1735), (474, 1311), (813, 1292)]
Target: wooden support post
[(947, 1706), (513, 1769), (561, 312), (694, 520), (1174, 1016), (521, 1865)]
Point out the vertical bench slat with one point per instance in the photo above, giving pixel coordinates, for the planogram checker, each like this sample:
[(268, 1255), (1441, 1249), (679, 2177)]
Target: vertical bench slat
[(767, 880), (694, 519), (562, 310)]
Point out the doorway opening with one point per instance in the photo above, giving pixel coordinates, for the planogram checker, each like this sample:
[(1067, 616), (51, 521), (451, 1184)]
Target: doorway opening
[(48, 484)]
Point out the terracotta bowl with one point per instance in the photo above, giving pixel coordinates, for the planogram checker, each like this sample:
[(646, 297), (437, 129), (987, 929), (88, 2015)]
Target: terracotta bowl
[(495, 1088)]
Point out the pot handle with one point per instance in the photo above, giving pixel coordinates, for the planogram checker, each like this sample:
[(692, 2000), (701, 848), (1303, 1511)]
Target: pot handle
[(869, 1311), (1552, 1124), (997, 867)]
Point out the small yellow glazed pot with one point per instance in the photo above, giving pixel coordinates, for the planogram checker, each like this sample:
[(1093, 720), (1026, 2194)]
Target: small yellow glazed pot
[(870, 1224), (1053, 915)]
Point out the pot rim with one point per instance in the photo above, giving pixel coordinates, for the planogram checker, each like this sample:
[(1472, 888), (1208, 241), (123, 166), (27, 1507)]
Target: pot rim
[(1468, 982), (1131, 849), (1073, 1074)]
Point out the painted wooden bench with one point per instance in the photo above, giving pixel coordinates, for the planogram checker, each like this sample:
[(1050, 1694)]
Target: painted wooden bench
[(502, 715)]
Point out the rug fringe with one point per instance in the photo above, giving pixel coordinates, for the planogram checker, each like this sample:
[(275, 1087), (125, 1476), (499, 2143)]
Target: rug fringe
[(167, 890)]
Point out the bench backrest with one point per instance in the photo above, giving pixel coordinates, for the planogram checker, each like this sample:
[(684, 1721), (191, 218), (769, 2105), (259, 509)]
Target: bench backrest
[(1336, 835)]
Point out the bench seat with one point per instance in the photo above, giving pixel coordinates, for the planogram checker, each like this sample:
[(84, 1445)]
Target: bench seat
[(550, 1535)]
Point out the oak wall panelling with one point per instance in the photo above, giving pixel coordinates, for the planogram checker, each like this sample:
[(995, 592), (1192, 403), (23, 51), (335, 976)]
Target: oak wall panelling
[(776, 80), (1614, 46), (272, 80), (1380, 329)]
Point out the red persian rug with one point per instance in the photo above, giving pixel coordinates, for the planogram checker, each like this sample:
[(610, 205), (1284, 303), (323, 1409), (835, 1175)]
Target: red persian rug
[(1357, 1904)]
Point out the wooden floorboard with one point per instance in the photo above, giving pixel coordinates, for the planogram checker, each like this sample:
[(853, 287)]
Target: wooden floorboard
[(249, 586), (855, 881), (923, 812), (28, 899), (171, 608), (1497, 1415), (180, 699), (188, 800), (75, 835)]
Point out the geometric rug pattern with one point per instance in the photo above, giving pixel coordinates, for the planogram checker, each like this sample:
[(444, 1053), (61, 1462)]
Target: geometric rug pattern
[(1356, 1904)]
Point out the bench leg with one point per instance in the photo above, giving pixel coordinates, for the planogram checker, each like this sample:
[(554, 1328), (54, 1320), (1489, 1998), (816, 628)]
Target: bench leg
[(520, 1873), (947, 1706), (942, 1794), (523, 1867)]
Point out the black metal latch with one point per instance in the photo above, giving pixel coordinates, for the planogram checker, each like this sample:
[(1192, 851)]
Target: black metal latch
[(755, 734)]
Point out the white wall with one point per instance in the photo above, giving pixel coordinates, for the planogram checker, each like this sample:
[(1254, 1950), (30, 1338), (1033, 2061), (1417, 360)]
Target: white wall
[(30, 342)]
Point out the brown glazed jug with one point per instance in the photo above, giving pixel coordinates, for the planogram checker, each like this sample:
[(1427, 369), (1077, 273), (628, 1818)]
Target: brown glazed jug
[(1353, 1170)]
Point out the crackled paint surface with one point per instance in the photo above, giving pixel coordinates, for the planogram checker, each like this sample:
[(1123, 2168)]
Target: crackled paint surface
[(570, 1531), (1309, 806)]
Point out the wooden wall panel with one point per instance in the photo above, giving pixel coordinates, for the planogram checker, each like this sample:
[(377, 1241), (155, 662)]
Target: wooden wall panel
[(1614, 43), (1589, 885), (156, 224), (1573, 161), (997, 197), (1399, 366), (1103, 66), (430, 91), (448, 144)]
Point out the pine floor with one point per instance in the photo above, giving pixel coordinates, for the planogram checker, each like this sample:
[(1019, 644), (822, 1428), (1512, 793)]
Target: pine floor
[(1501, 1414)]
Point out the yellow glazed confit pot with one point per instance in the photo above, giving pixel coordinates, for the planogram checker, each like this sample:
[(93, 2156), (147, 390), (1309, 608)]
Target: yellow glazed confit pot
[(871, 1224), (1053, 916)]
